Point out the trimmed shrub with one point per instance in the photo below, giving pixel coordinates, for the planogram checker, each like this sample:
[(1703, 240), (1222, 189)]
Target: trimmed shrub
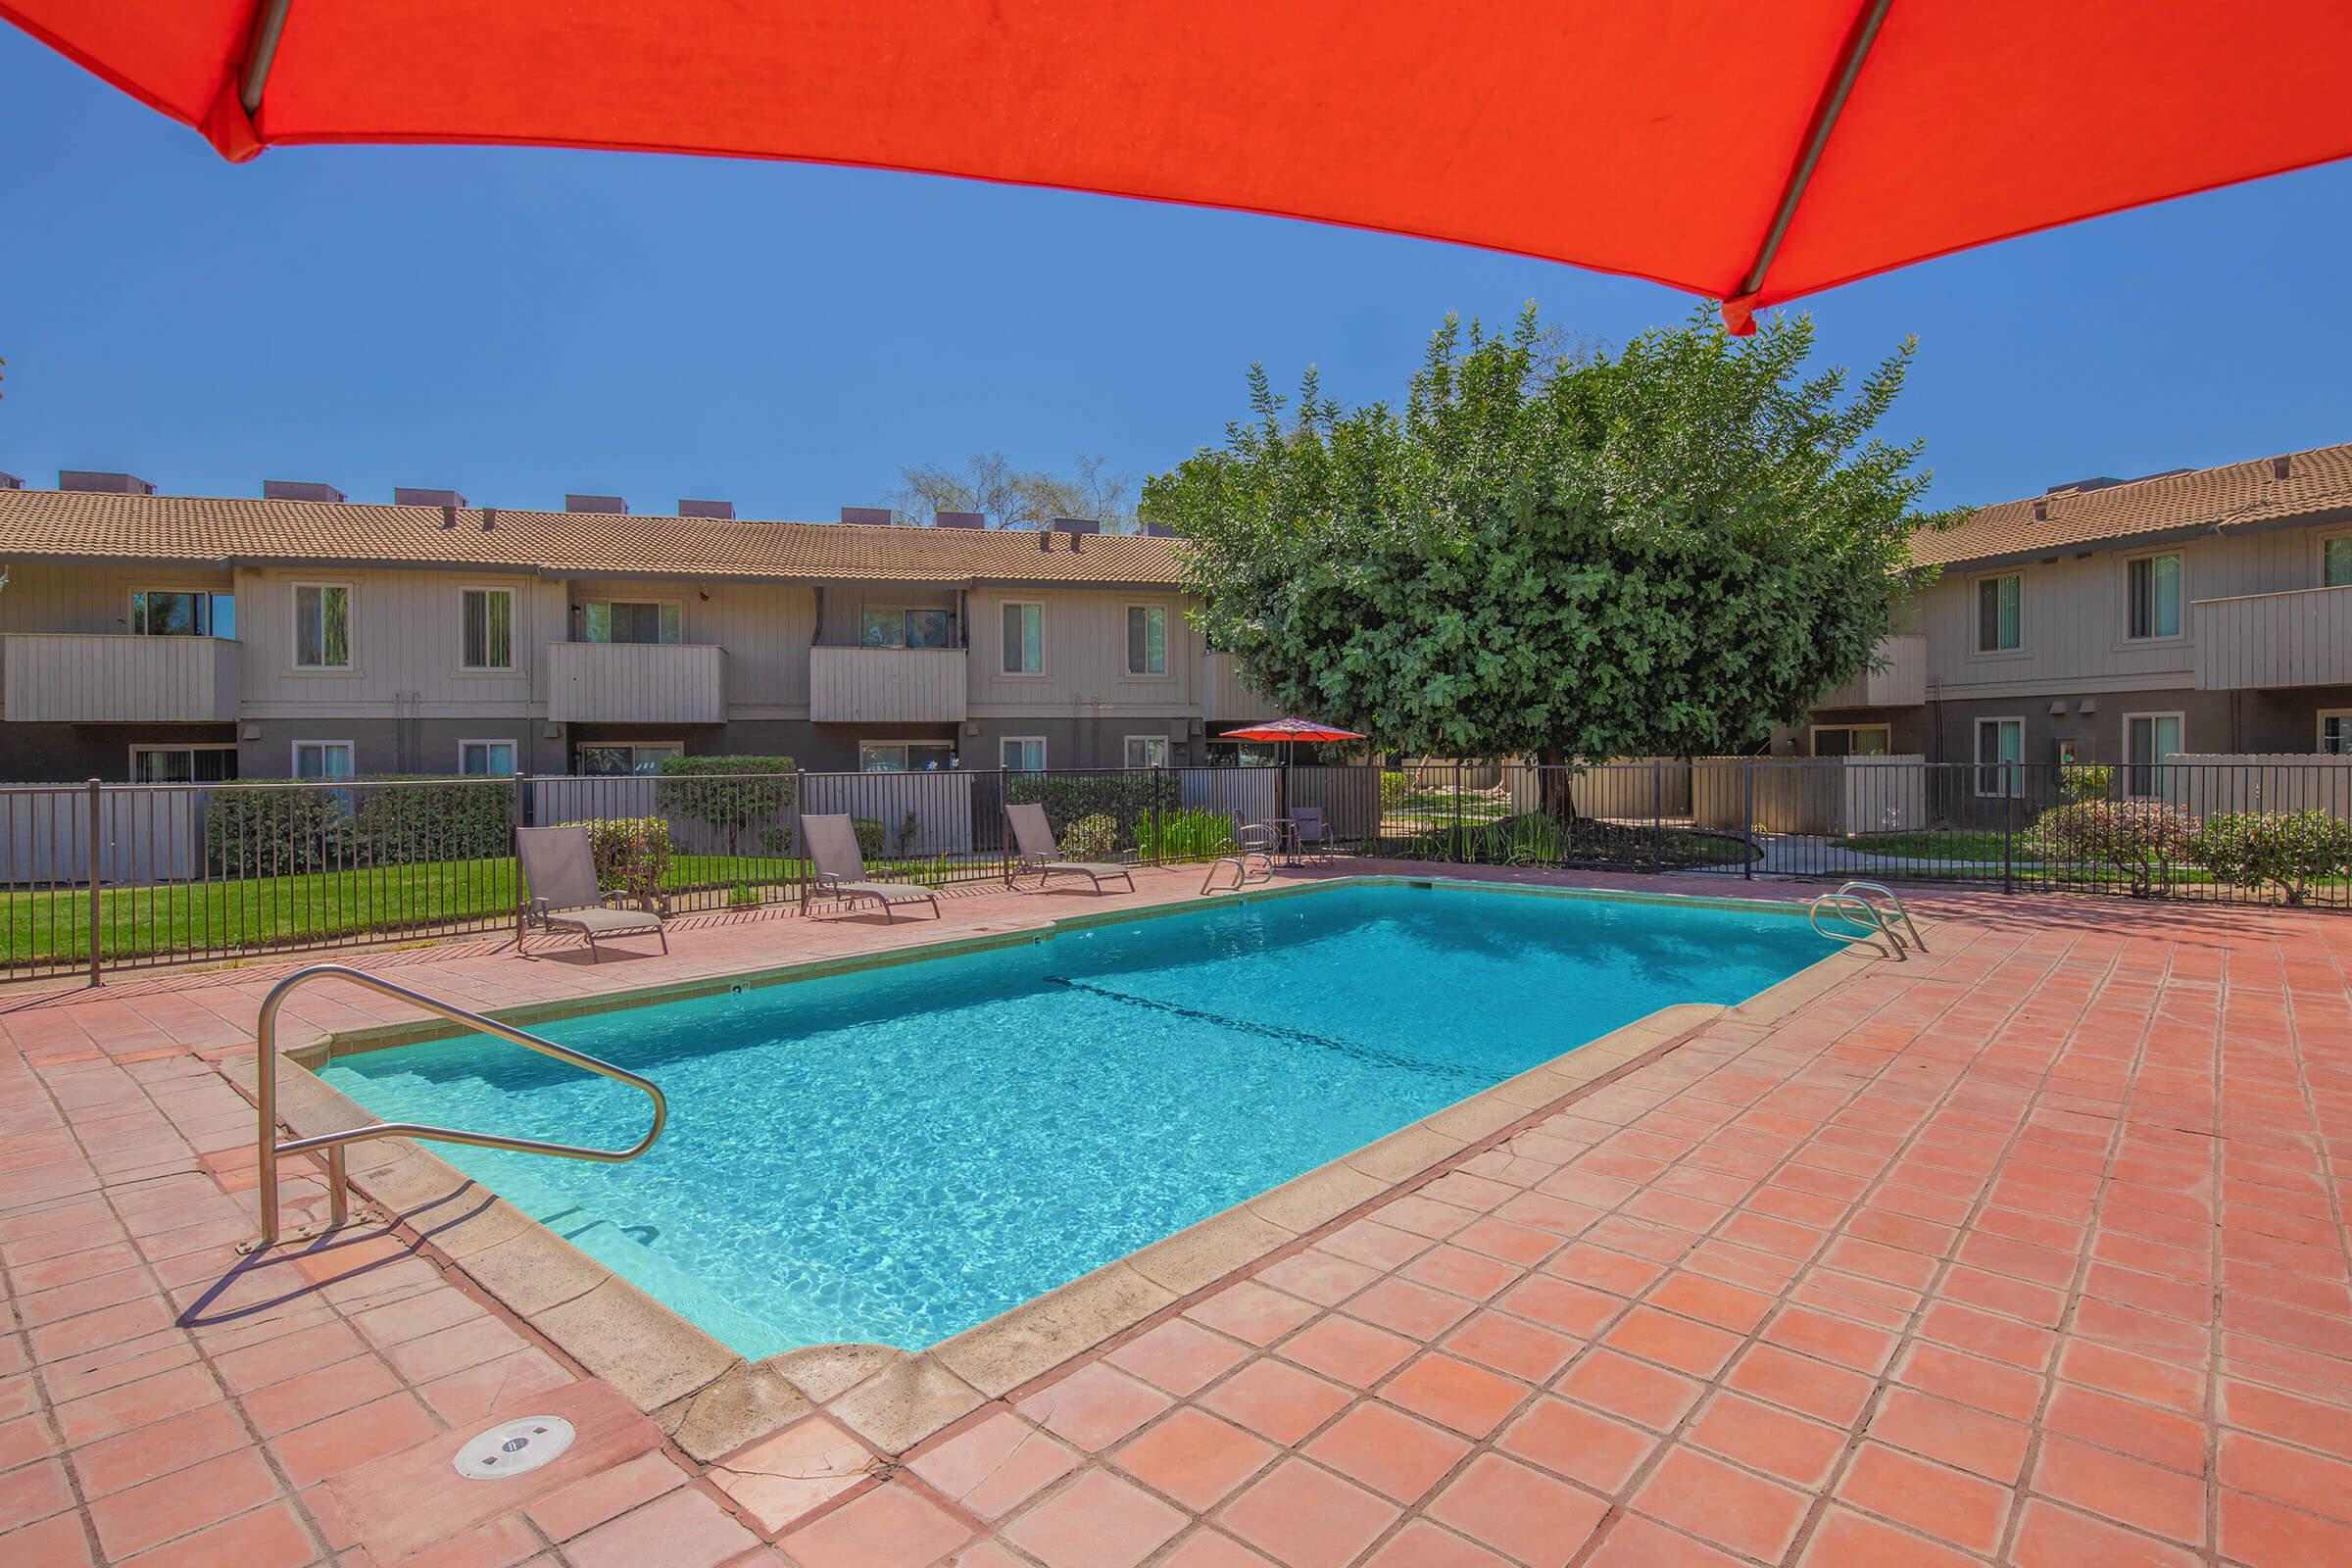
[(1192, 834), (732, 795), (870, 837), (1091, 838), (1127, 798), (256, 830), (402, 820), (2086, 781), (2290, 849), (2137, 840), (1393, 788), (632, 853)]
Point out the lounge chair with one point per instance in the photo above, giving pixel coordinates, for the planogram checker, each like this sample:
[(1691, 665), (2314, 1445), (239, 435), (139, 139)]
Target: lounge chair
[(559, 870), (831, 845), (1036, 849), (1309, 832)]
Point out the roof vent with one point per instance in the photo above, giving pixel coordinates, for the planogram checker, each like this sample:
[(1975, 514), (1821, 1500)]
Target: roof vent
[(867, 516), (2098, 481), (2042, 511), (958, 520), (1076, 525), (401, 497), (113, 484), (1044, 539), (297, 490), (1160, 530), (9, 481), (723, 511), (595, 504), (2282, 467)]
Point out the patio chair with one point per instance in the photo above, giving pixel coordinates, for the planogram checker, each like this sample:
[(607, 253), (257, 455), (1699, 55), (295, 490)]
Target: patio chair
[(559, 868), (1035, 848), (1309, 833), (831, 845)]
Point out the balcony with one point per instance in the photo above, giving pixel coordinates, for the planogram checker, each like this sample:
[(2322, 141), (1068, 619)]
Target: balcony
[(54, 678), (1226, 698), (887, 685), (636, 683), (1901, 682), (2258, 641)]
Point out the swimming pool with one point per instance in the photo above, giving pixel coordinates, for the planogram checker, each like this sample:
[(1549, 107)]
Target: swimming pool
[(895, 1154)]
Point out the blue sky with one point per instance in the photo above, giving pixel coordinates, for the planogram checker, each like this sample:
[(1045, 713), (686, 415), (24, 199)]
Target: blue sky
[(519, 323)]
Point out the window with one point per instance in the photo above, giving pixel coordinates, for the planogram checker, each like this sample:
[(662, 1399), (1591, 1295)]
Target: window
[(1023, 754), (2148, 739), (2000, 613), (2000, 748), (486, 758), (890, 626), (619, 758), (623, 622), (1851, 740), (182, 764), (183, 612), (2073, 753), (321, 626), (1147, 751), (1146, 640), (1024, 639), (906, 756), (489, 617), (2336, 562), (323, 758), (2155, 594)]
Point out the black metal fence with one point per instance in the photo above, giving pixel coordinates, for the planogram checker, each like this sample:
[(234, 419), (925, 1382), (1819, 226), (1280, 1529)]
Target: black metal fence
[(96, 876)]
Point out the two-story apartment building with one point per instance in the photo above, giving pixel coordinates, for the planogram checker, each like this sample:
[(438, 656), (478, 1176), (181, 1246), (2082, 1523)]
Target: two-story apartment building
[(2203, 611), (182, 638)]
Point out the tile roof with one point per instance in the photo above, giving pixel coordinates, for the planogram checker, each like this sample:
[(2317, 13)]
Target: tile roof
[(97, 526), (2234, 495)]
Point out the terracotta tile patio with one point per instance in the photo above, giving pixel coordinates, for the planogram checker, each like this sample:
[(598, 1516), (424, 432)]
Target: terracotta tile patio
[(2029, 1251)]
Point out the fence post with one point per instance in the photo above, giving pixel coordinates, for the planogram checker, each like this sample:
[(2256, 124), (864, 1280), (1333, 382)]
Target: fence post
[(1747, 817), (1657, 816), (1459, 846), (515, 819), (1160, 843), (2009, 788), (97, 912)]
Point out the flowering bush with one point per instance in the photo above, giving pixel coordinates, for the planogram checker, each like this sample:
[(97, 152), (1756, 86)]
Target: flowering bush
[(1090, 838), (2136, 838), (2290, 848), (633, 854)]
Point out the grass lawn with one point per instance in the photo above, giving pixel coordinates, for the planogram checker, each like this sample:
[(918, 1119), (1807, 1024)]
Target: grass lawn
[(1931, 845)]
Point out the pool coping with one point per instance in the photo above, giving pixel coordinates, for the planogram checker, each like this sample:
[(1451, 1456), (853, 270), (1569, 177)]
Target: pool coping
[(711, 1400)]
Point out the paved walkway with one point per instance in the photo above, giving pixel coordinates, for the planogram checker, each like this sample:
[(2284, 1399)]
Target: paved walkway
[(2030, 1251)]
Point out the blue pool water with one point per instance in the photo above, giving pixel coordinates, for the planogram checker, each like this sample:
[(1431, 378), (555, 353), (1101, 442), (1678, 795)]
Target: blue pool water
[(893, 1155)]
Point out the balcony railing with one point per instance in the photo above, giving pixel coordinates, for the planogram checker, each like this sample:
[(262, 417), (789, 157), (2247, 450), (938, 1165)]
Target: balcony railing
[(1225, 696), (887, 685), (63, 678), (2299, 638), (1899, 681), (636, 683)]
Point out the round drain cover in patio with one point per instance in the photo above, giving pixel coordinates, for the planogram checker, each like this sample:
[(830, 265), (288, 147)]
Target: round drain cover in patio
[(514, 1446)]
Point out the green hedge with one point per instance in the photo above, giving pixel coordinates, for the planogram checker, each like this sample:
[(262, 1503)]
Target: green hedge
[(1127, 798), (735, 795), (384, 820)]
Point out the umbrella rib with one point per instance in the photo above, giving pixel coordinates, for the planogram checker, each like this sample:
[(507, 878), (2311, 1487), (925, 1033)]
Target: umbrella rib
[(269, 26), (1824, 120)]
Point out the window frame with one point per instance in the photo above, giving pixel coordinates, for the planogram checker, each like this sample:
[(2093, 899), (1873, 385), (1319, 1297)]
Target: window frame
[(2015, 767), (659, 604), (2319, 556), (1044, 762), (2318, 739), (351, 753), (1168, 664), (351, 626), (1813, 739), (513, 755), (130, 606), (1976, 614), (1127, 747), (902, 744), (137, 747), (633, 746), (2134, 772), (513, 664), (1004, 653), (2136, 639)]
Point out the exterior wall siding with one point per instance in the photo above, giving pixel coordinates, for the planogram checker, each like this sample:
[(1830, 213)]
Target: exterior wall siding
[(407, 647), (1085, 671)]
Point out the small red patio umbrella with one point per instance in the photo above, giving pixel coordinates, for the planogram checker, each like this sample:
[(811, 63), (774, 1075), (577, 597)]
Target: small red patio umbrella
[(1747, 153), (1290, 732)]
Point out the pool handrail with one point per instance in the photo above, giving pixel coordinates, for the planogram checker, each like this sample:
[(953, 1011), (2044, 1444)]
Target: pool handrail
[(269, 1149)]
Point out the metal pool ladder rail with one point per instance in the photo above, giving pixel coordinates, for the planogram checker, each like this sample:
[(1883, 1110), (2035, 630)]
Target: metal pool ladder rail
[(1853, 903), (269, 1149)]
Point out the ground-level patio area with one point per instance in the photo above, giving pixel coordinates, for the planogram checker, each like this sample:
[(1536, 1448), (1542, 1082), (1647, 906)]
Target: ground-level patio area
[(2028, 1250)]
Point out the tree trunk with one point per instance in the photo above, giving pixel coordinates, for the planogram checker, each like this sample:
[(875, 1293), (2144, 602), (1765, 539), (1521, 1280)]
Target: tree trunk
[(1557, 785)]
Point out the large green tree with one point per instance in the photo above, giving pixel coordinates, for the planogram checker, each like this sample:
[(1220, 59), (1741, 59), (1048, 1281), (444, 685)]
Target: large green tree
[(1663, 551)]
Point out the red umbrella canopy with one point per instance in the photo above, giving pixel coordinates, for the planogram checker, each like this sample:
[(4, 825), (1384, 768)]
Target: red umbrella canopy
[(1291, 729), (1749, 154)]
